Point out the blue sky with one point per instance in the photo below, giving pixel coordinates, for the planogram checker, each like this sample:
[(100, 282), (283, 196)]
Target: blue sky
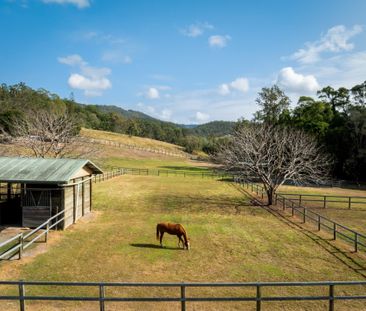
[(182, 61)]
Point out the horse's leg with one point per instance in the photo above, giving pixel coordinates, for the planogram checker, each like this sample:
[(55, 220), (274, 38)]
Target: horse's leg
[(161, 238), (180, 240)]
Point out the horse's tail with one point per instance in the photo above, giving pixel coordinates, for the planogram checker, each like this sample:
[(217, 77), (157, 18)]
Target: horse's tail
[(157, 232)]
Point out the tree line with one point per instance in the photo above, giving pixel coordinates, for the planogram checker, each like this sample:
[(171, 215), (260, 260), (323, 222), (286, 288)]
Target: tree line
[(336, 118)]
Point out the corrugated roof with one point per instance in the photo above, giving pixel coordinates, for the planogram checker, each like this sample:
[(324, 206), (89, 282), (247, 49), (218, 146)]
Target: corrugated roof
[(39, 170)]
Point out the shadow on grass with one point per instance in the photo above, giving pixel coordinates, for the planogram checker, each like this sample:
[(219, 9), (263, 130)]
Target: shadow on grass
[(347, 258), (149, 245)]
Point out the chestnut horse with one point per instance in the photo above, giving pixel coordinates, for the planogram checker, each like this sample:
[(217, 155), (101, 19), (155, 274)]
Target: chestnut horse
[(174, 229)]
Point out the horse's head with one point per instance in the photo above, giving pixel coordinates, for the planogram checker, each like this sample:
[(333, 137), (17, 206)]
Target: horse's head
[(187, 244)]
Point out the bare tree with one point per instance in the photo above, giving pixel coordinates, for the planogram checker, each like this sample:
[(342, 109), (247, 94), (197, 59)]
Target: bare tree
[(46, 133), (274, 155)]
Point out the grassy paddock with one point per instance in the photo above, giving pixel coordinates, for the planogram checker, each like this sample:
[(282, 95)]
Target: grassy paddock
[(231, 241)]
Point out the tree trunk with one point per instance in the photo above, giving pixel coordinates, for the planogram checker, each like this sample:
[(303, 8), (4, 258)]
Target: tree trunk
[(270, 195)]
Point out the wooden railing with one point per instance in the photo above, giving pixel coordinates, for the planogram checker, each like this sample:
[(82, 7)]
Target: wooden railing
[(257, 297), (350, 236), (324, 201), (20, 242)]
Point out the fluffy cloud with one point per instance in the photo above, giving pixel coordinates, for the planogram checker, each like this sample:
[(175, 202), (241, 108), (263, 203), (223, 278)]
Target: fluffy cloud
[(335, 40), (240, 84), (218, 41), (91, 80), (196, 30), (81, 4), (201, 117), (152, 93), (295, 82)]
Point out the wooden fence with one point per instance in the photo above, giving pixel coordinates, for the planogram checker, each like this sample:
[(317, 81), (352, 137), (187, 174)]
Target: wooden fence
[(355, 239), (256, 297), (324, 201), (134, 147), (17, 244)]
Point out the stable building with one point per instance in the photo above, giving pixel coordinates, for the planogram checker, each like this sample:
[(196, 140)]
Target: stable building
[(34, 189)]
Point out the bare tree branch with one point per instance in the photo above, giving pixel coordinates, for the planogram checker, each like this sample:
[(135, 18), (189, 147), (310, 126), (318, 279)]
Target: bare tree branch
[(274, 155)]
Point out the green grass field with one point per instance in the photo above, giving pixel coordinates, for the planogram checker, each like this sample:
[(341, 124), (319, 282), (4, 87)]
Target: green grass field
[(231, 241)]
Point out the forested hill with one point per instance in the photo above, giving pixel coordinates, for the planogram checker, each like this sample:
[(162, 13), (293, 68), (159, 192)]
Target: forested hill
[(19, 101), (214, 128)]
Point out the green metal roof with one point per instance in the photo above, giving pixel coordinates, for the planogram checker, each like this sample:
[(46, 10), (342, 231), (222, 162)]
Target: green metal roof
[(39, 170)]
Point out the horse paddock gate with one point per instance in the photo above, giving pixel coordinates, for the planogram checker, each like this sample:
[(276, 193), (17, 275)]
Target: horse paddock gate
[(32, 190)]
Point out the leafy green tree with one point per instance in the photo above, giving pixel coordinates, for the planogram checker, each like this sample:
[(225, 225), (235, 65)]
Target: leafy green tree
[(359, 94), (273, 102), (336, 98)]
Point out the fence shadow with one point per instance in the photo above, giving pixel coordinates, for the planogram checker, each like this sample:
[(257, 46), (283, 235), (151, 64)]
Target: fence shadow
[(345, 257)]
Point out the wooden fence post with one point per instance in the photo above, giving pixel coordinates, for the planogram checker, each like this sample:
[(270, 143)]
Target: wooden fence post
[(319, 222), (183, 297), (304, 216), (101, 297), (258, 298), (349, 202), (21, 242), (325, 201), (21, 296), (356, 242), (331, 297)]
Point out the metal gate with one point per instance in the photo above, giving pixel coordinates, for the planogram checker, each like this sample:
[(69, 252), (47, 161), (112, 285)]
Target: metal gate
[(37, 206)]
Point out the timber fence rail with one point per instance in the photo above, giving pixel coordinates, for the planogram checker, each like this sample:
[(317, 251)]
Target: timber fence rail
[(324, 201), (182, 297), (135, 147), (353, 238), (157, 172), (17, 244)]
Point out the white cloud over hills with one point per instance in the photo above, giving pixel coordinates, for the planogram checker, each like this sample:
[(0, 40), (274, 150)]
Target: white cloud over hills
[(92, 80), (296, 82)]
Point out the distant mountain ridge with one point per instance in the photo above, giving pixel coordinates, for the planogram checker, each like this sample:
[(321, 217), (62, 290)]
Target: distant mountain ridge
[(213, 128)]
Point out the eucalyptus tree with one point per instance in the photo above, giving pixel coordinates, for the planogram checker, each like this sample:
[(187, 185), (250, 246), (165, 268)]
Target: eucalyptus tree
[(274, 155)]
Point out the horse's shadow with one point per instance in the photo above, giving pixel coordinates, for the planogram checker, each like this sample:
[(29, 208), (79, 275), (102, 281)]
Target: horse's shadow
[(148, 245)]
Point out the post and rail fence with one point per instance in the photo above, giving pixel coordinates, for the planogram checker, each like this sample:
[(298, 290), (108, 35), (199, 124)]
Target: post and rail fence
[(324, 201), (356, 239), (182, 297)]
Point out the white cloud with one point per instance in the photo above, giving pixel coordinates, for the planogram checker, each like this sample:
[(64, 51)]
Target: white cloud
[(196, 30), (224, 89), (116, 57), (296, 82), (91, 80), (81, 4), (152, 93), (201, 117), (240, 84), (218, 41), (72, 60), (91, 86), (335, 40)]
